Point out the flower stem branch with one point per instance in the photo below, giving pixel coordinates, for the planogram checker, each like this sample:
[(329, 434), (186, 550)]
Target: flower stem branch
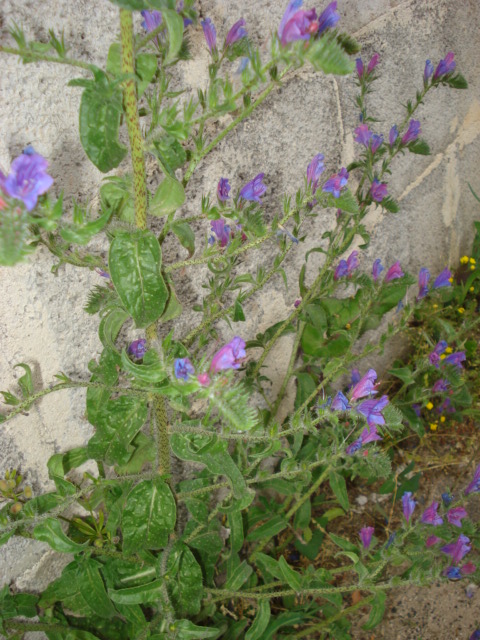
[(33, 56)]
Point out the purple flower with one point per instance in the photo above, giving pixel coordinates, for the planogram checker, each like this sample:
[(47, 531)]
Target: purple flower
[(417, 408), (474, 486), (428, 70), (151, 20), (346, 267), (457, 550), (254, 189), (430, 515), (366, 534), (102, 273), (434, 357), (237, 32), (183, 368), (27, 178), (363, 135), (408, 505), (378, 191), (456, 359), (340, 402), (452, 573), (393, 135), (440, 386), (375, 142), (138, 348), (455, 515), (394, 272), (412, 133), (355, 376), (314, 171), (443, 279), (204, 379), (445, 66), (296, 23), (365, 386), (377, 269), (223, 189), (336, 182), (446, 406), (210, 34), (431, 541), (222, 231), (328, 18), (423, 278), (297, 303), (475, 635), (229, 356), (367, 435), (374, 60), (371, 410)]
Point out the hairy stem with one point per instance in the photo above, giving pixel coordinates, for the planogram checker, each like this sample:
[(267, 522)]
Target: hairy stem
[(33, 56)]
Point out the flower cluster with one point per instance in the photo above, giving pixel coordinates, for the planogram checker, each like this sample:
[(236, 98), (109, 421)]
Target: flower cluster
[(230, 356), (298, 24)]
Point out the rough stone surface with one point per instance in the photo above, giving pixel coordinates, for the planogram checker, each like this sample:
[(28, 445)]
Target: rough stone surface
[(41, 320)]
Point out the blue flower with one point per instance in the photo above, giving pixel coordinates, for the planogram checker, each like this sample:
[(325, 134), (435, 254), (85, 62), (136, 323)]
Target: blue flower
[(138, 348), (183, 368), (27, 179), (346, 267), (393, 135), (412, 132), (328, 18), (254, 189), (377, 269), (223, 189), (443, 279), (296, 23), (423, 278), (335, 184), (428, 70), (340, 402), (210, 34), (237, 32), (408, 504), (314, 171), (445, 66)]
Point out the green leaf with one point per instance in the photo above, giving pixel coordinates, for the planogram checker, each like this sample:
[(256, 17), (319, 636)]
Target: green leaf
[(346, 202), (14, 235), (390, 205), (93, 590), (25, 382), (419, 147), (169, 152), (116, 193), (109, 328), (404, 374), (134, 263), (239, 576), (261, 621), (142, 594), (132, 5), (232, 403), (169, 196), (342, 543), (458, 82), (339, 488), (185, 235), (327, 55), (271, 527), (101, 108), (151, 370), (50, 531), (145, 68), (377, 611), (117, 422), (148, 517), (186, 630), (106, 372), (186, 587), (174, 24), (82, 233), (306, 385), (213, 454), (173, 308), (291, 577)]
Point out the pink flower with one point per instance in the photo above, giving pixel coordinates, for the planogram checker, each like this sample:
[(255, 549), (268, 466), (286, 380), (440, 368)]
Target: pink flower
[(229, 356)]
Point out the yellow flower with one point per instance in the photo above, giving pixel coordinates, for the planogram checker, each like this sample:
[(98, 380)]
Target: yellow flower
[(435, 306), (443, 356), (472, 289), (461, 310), (472, 267), (449, 350), (348, 326), (442, 418), (464, 260), (433, 426), (473, 261), (429, 406), (450, 280)]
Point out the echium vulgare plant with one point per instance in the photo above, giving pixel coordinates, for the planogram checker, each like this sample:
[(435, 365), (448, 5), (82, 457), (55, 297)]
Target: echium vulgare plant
[(215, 552)]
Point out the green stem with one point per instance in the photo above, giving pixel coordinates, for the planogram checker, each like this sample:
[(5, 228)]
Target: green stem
[(291, 364), (226, 594), (308, 631), (132, 120), (245, 113), (33, 56)]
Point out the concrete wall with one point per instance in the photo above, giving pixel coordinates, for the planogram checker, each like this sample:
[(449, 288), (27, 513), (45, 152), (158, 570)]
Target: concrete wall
[(41, 320)]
